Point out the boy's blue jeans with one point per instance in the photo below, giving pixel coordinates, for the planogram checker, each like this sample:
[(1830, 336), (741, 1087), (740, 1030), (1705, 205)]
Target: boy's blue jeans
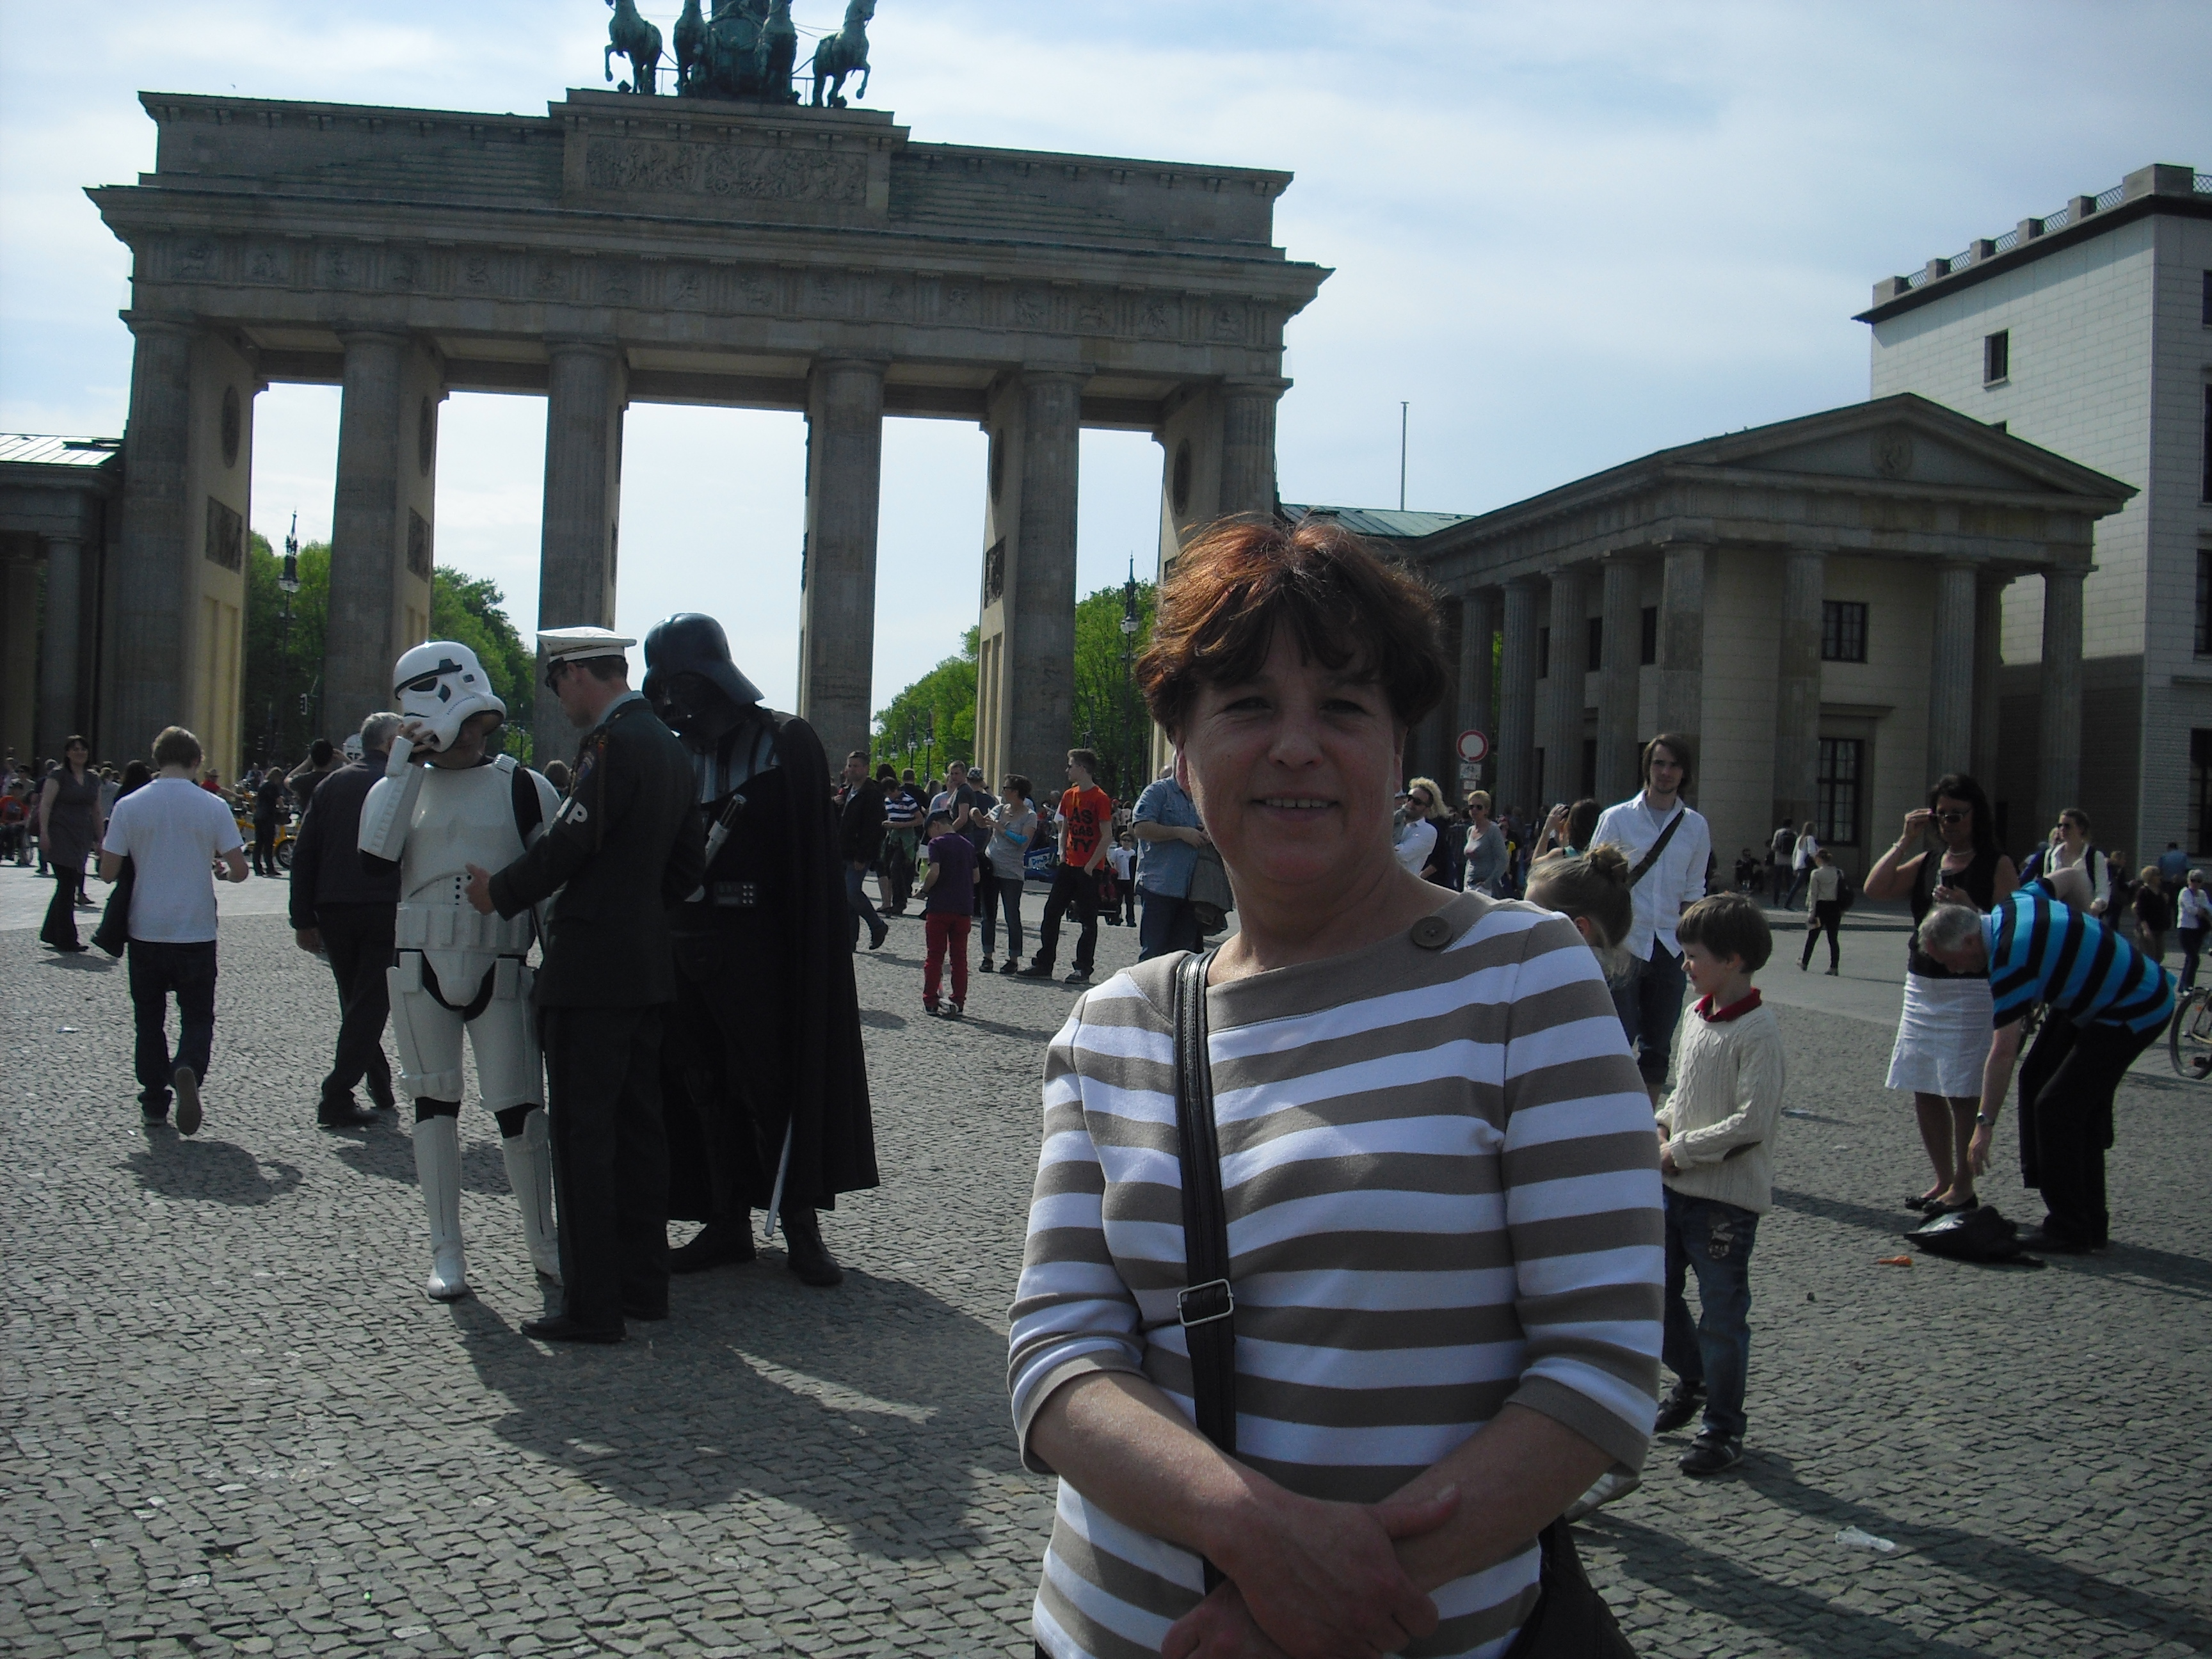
[(1712, 1240)]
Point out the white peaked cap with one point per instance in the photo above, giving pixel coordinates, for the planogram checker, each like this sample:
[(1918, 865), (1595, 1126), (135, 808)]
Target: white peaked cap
[(576, 644)]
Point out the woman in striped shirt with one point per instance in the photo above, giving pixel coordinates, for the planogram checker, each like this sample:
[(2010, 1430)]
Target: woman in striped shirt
[(2107, 1003), (1439, 1168)]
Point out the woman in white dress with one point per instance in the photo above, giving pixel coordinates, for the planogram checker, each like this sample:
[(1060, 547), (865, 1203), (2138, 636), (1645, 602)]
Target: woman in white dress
[(1944, 1035)]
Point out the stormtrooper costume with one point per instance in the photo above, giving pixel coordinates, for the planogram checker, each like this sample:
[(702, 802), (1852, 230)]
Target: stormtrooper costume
[(456, 970)]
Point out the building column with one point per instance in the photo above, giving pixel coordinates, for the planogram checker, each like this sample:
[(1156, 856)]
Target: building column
[(1478, 636), (2058, 750), (1516, 697), (1989, 665), (1038, 692), (19, 660), (1562, 733), (1682, 640), (1797, 687), (58, 640), (357, 654), (1248, 444), (1951, 673), (1623, 644), (584, 393), (153, 608), (837, 602)]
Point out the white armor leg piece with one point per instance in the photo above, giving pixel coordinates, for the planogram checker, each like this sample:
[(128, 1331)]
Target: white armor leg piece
[(438, 1170), (428, 1034), (509, 1070), (529, 1172)]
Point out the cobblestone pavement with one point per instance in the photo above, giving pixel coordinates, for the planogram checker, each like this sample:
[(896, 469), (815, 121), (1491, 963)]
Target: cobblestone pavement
[(234, 1424)]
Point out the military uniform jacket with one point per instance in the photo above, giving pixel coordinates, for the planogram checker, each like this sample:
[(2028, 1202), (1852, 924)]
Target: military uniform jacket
[(626, 844)]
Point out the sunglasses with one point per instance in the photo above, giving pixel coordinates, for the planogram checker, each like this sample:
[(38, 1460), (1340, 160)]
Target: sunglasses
[(1953, 818), (1420, 800)]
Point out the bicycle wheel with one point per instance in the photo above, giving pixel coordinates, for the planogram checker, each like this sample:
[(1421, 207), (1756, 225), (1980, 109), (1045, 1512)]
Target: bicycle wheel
[(2189, 1037)]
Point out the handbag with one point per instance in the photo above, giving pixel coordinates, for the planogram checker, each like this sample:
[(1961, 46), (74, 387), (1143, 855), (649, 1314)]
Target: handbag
[(113, 933), (1211, 896), (1570, 1619)]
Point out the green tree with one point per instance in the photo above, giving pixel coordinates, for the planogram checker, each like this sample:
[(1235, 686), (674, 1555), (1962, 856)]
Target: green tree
[(1110, 714), (471, 611), (936, 715), (283, 664)]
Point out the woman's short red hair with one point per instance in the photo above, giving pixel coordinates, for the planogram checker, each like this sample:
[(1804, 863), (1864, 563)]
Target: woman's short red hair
[(1242, 579)]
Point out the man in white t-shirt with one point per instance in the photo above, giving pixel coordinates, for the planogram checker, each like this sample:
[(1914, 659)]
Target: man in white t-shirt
[(1651, 1002), (172, 831)]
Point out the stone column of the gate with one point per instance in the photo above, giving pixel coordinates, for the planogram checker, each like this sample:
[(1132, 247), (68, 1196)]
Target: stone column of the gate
[(179, 608), (1036, 661), (1248, 443), (586, 390), (59, 638), (837, 604), (382, 514)]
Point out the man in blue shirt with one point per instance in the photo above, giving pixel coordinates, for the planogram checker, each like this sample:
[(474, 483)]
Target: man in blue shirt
[(1165, 824), (2107, 1002)]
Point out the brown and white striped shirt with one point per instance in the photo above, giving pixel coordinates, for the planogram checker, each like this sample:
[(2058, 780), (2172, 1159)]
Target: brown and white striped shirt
[(1444, 1195)]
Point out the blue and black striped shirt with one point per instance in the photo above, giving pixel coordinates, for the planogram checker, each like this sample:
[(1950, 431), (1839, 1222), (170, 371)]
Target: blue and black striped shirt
[(2040, 951)]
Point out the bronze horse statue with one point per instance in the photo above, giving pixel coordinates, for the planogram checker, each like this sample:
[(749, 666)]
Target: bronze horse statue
[(845, 53), (637, 41), (690, 50)]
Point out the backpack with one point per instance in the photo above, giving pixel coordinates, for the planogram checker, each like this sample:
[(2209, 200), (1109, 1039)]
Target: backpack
[(1978, 1235)]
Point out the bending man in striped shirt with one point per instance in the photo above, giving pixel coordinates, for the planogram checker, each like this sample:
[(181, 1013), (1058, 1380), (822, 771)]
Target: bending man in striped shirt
[(2108, 1002), (1437, 1165)]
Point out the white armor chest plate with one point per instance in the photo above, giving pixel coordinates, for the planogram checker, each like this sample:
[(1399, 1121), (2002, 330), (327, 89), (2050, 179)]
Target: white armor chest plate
[(461, 817)]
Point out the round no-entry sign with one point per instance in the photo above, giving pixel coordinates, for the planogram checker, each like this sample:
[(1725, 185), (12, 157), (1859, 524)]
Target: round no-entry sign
[(1473, 747)]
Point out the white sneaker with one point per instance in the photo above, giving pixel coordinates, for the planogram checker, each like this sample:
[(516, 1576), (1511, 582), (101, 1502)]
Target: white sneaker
[(1608, 1486)]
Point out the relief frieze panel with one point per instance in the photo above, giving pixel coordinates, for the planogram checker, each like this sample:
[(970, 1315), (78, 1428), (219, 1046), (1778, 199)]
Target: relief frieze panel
[(747, 171)]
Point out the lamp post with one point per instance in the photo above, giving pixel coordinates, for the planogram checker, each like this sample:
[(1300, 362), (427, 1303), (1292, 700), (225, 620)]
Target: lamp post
[(929, 740), (1128, 663), (288, 582)]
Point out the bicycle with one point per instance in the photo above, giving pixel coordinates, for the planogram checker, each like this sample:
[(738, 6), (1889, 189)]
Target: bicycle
[(2188, 1034)]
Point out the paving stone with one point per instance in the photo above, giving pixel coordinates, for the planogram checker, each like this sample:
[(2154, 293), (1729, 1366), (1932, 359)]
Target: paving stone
[(230, 1423)]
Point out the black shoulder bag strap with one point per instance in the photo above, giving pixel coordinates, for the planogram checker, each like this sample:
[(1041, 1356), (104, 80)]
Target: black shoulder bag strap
[(1643, 865), (1206, 1304)]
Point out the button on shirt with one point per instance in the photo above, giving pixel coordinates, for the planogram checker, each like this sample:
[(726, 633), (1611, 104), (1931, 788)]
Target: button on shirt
[(1677, 879), (1165, 867)]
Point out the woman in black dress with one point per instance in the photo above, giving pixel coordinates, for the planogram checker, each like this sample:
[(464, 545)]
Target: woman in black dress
[(68, 830)]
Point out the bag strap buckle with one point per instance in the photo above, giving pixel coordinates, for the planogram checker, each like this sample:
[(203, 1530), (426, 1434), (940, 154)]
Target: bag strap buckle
[(1212, 1300)]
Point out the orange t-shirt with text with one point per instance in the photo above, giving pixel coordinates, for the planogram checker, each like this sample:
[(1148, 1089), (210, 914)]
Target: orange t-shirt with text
[(1086, 813)]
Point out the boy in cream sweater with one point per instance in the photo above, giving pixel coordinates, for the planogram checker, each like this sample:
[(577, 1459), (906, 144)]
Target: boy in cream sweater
[(1717, 1132)]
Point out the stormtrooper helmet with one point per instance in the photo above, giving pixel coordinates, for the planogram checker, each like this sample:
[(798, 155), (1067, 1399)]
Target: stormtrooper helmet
[(441, 683), (352, 746)]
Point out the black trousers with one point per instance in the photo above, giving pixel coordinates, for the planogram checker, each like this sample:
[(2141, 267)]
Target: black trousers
[(2066, 1088), (265, 846), (1078, 888), (159, 971), (724, 1059), (60, 928), (358, 938), (1827, 916), (610, 1159)]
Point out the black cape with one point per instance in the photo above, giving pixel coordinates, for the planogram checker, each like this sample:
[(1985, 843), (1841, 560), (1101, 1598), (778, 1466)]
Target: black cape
[(833, 1147)]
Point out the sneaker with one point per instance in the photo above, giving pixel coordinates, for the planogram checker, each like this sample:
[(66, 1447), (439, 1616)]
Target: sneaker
[(1680, 1405), (1009, 966), (154, 1117), (984, 967), (1710, 1453), (954, 1009), (1608, 1486), (188, 1101), (1036, 970), (931, 1009), (1078, 977)]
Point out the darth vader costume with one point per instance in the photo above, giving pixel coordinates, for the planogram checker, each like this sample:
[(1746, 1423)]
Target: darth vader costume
[(765, 1081)]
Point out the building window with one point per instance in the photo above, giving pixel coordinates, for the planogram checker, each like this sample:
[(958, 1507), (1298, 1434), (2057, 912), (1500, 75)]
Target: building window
[(1836, 791), (1590, 766), (2204, 602), (1996, 356), (1543, 654), (1596, 644), (2207, 317), (2200, 793), (1650, 653), (1843, 630), (2205, 495)]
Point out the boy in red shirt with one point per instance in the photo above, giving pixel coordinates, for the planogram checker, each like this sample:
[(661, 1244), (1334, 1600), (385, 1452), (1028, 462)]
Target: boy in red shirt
[(1086, 814), (948, 889)]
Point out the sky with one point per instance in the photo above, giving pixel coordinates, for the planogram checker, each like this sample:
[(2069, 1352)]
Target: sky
[(1564, 235)]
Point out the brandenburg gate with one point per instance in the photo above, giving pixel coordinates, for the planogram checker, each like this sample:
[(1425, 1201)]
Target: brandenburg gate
[(620, 249)]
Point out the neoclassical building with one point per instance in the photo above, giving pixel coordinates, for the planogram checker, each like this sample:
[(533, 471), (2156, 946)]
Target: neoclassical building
[(1816, 602)]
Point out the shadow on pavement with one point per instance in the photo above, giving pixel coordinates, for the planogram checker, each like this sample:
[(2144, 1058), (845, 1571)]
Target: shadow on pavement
[(1996, 1562), (390, 1156), (1890, 1223), (83, 961), (214, 1171), (882, 1021), (870, 1406)]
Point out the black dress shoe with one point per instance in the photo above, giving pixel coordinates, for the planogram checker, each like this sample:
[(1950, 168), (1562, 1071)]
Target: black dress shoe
[(2036, 1241), (716, 1246), (343, 1114), (1680, 1405), (559, 1328), (805, 1254), (640, 1310)]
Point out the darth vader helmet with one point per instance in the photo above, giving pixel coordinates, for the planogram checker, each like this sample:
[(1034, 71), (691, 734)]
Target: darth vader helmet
[(441, 683), (691, 642)]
